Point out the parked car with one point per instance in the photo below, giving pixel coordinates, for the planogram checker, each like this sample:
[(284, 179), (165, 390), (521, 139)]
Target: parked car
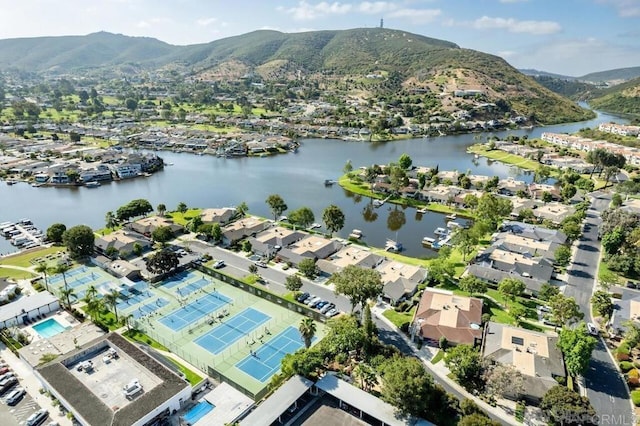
[(301, 298), (331, 313), (311, 301), (7, 385), (7, 380), (631, 284), (261, 264), (37, 418), (315, 303), (219, 264), (15, 396), (4, 370), (592, 329), (326, 308), (321, 304)]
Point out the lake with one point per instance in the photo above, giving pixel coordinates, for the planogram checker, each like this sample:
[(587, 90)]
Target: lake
[(206, 181)]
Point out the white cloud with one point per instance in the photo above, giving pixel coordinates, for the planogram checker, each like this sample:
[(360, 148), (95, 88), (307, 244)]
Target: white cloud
[(416, 16), (625, 8), (306, 12), (376, 7), (515, 26), (204, 22)]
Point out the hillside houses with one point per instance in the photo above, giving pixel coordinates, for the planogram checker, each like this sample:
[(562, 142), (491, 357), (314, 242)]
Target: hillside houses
[(631, 154)]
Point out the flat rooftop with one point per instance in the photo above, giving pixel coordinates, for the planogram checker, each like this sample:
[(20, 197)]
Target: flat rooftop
[(109, 376)]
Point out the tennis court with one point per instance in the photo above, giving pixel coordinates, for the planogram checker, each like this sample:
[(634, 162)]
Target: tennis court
[(265, 362), (193, 287), (180, 278), (230, 331), (149, 308), (194, 311)]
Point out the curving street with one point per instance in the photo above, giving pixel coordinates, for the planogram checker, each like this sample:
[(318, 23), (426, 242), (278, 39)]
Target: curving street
[(605, 387)]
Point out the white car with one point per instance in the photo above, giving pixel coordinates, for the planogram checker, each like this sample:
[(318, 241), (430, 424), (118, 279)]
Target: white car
[(15, 396), (592, 329), (311, 301), (37, 418), (219, 264)]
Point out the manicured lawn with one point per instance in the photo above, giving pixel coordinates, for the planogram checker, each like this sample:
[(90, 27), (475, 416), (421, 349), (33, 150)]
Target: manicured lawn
[(183, 218), (439, 356), (400, 258), (24, 259), (190, 375), (15, 274), (138, 336), (505, 157), (399, 318)]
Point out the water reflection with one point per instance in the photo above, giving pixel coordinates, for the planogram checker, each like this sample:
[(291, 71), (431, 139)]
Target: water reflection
[(396, 219)]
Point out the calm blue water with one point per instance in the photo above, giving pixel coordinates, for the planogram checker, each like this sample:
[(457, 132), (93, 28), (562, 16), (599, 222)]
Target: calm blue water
[(205, 181), (49, 328), (198, 412)]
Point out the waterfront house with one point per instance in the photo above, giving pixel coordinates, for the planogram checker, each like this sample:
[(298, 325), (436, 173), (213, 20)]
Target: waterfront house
[(311, 247), (400, 280), (511, 186), (441, 313), (535, 355), (147, 225), (245, 227), (220, 215), (127, 170), (554, 212), (349, 255), (123, 241)]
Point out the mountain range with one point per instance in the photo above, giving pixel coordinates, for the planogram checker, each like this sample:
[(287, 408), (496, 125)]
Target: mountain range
[(416, 61)]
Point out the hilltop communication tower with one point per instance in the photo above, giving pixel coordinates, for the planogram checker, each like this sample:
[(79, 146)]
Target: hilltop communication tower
[(381, 23)]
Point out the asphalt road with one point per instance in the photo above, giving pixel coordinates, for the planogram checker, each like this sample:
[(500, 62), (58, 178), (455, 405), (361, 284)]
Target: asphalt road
[(605, 386)]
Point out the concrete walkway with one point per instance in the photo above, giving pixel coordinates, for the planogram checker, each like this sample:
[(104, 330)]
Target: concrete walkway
[(439, 370), (31, 384)]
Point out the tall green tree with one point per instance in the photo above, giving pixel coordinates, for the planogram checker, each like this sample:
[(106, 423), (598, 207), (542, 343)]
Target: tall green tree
[(465, 363), (79, 241), (466, 241), (602, 304), (333, 218), (111, 300), (242, 209), (511, 288), (162, 234), (307, 329), (182, 207), (302, 217), (293, 283), (162, 262), (564, 309), (472, 284), (576, 345), (43, 268), (55, 232), (405, 161), (358, 284), (276, 205), (564, 407), (365, 376), (406, 385), (110, 220), (161, 209)]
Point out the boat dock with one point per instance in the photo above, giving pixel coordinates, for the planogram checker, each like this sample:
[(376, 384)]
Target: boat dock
[(22, 234), (393, 246), (380, 203), (446, 241), (356, 234)]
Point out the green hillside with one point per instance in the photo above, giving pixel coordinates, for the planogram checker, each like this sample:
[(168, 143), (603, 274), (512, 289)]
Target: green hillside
[(619, 74), (622, 99), (410, 60)]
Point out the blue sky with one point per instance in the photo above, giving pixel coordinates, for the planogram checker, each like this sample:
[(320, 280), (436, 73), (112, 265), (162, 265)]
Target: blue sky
[(571, 37)]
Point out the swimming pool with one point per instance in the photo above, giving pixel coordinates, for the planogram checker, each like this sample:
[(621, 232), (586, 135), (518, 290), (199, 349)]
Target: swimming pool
[(198, 412), (49, 328)]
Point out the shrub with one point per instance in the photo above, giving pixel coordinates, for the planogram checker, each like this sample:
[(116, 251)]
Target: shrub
[(635, 397), (624, 348), (633, 382), (405, 327), (561, 380), (622, 357), (634, 373), (626, 366)]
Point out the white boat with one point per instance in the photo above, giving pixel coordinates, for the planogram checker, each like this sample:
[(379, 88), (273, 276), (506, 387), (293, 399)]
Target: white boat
[(356, 234), (378, 203), (393, 246), (315, 226), (427, 241), (452, 225), (422, 210), (441, 231), (92, 184), (476, 156), (452, 216)]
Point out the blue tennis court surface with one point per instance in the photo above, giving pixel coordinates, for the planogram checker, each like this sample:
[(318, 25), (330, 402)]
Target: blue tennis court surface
[(265, 361), (231, 330), (179, 278), (192, 312), (192, 287), (148, 308)]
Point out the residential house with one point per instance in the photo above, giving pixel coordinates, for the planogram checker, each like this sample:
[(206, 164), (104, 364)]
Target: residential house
[(124, 269), (127, 170), (245, 227), (626, 308), (400, 280), (537, 190), (147, 225), (312, 246), (441, 313), (440, 194), (349, 255), (631, 205), (535, 355), (554, 212), (269, 241), (221, 215), (121, 240), (510, 186)]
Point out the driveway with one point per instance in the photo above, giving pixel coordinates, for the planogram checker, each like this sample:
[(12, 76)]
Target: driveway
[(605, 386)]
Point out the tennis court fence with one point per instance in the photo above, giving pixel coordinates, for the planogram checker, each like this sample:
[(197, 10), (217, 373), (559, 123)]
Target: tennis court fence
[(217, 375), (296, 307)]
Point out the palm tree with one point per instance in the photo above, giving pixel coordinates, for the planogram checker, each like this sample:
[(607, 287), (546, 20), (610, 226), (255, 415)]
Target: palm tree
[(110, 220), (43, 269), (111, 299), (307, 330), (127, 321), (242, 208), (63, 268), (367, 376), (161, 209), (66, 294), (93, 305)]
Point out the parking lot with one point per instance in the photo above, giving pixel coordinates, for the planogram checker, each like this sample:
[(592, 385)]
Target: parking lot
[(16, 415)]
